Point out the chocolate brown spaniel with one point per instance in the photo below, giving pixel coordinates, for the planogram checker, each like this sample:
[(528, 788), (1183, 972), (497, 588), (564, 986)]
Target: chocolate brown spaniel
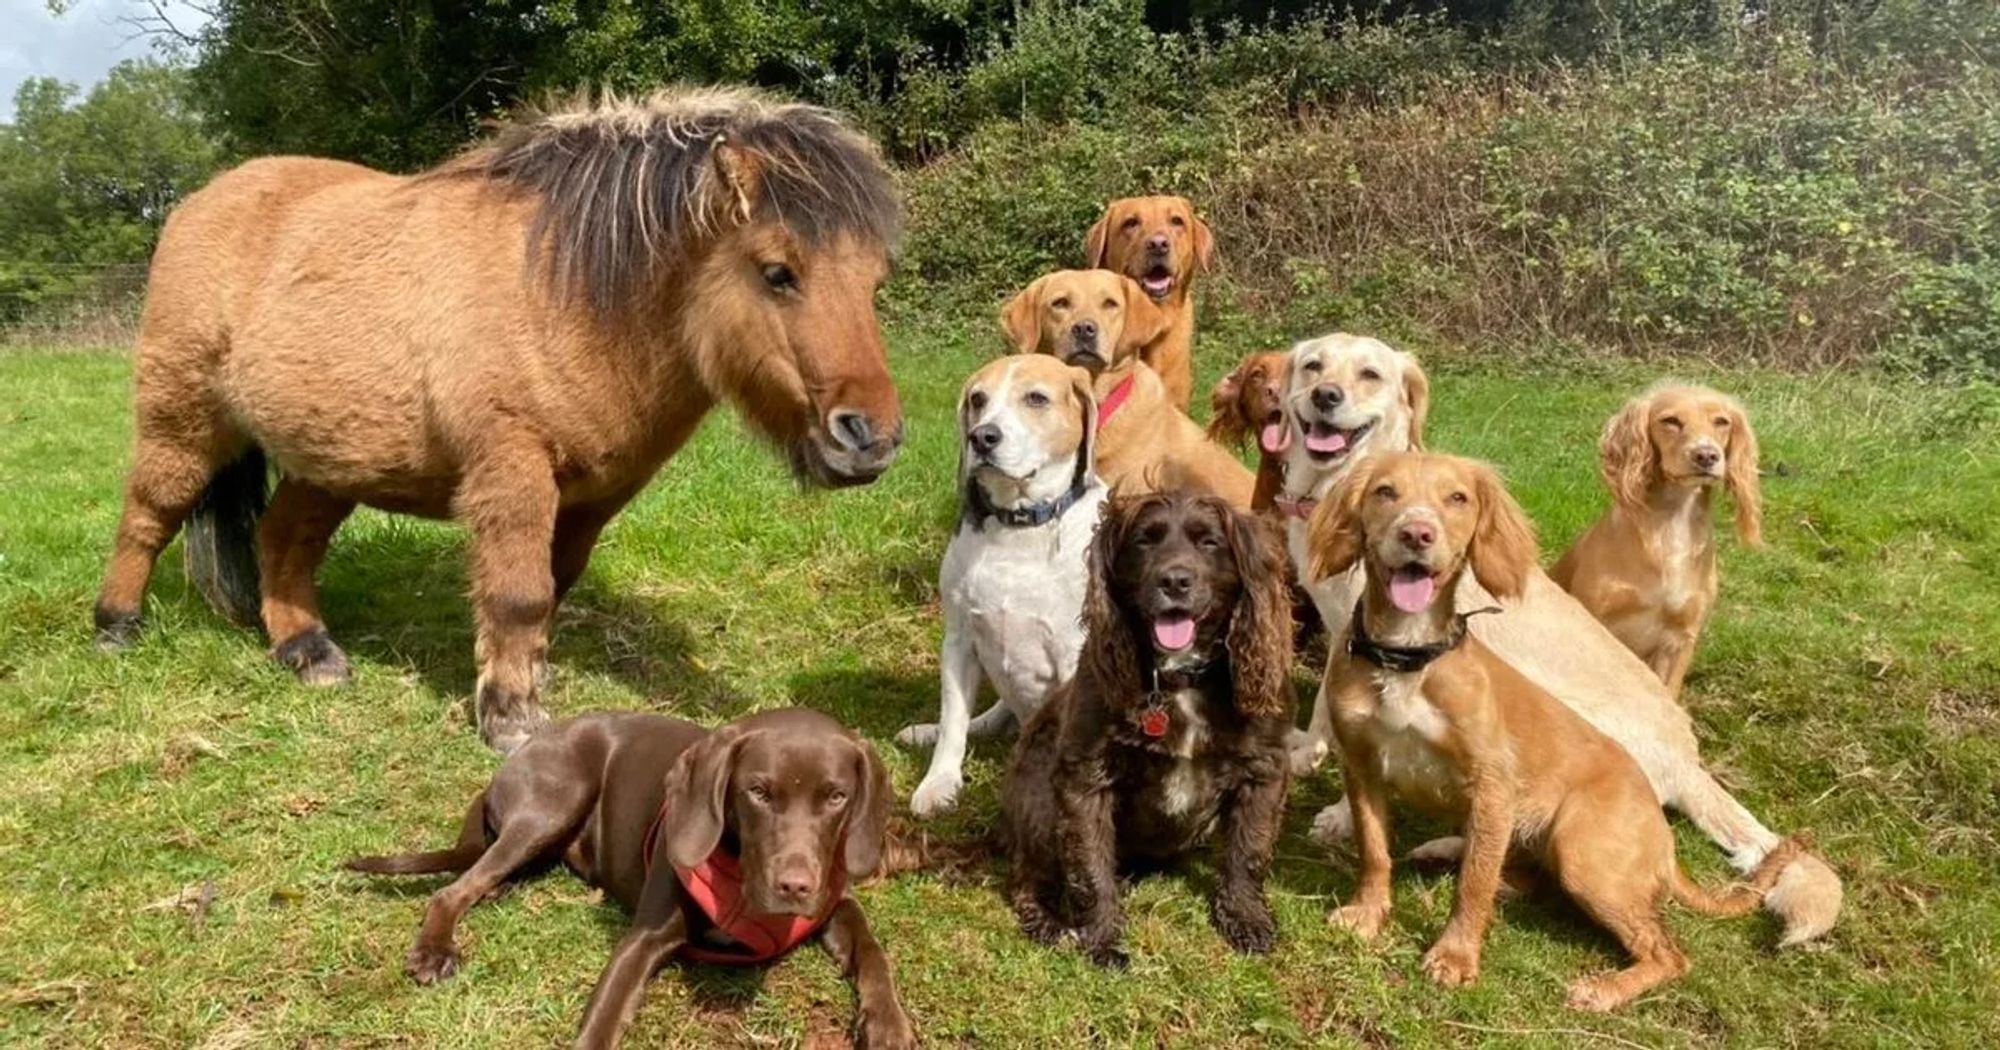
[(1172, 732)]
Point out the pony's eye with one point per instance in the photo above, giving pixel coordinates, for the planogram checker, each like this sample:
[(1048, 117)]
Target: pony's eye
[(1458, 497), (1672, 421), (1385, 492), (1037, 399), (1060, 302), (1178, 221), (1131, 222), (781, 278), (836, 799), (1370, 374), (977, 401)]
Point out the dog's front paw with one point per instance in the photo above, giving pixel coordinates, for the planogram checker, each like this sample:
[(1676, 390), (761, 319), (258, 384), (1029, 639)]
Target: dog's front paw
[(936, 795), (1364, 920), (1334, 825), (1110, 955), (430, 963), (886, 1029), (1595, 994), (1306, 751), (921, 735), (1446, 850), (1452, 963), (1247, 926)]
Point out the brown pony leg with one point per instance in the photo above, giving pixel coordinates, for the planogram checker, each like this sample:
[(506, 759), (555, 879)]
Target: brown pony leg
[(167, 478), (291, 543), (508, 498), (577, 529)]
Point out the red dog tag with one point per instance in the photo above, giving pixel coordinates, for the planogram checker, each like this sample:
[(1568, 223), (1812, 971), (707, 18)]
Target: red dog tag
[(1154, 721)]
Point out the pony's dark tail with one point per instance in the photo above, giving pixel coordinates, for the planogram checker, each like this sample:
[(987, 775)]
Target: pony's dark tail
[(221, 539)]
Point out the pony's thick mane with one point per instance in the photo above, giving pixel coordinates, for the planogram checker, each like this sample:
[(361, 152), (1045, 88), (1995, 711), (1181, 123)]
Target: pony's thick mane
[(625, 185)]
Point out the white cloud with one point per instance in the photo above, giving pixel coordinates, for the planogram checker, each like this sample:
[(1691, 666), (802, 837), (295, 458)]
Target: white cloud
[(79, 46)]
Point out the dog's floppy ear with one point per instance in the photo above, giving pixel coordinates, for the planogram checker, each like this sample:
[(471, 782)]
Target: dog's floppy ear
[(1144, 321), (1260, 628), (1225, 418), (868, 820), (1204, 243), (1080, 387), (1097, 242), (1110, 658), (1502, 550), (1021, 318), (1417, 396), (1333, 534), (697, 799), (1625, 454), (1741, 477)]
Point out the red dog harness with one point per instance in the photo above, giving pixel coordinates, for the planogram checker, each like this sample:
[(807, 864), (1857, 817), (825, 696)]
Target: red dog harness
[(716, 886), (1114, 400)]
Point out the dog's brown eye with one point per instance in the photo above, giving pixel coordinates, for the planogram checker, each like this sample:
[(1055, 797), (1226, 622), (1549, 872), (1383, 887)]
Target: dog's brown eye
[(1037, 399), (977, 401), (1178, 221), (1672, 421), (761, 793), (1370, 374), (1111, 304), (1060, 302), (1385, 492), (1721, 421), (781, 278), (836, 799), (1130, 222), (1458, 497), (1310, 368)]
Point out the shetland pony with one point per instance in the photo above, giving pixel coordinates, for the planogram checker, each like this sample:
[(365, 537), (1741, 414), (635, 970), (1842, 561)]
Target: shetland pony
[(516, 339)]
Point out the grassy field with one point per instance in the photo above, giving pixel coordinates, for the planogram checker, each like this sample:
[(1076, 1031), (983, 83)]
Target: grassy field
[(173, 815)]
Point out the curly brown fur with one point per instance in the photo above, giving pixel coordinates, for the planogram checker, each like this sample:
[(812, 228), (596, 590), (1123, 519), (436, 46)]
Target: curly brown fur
[(1173, 729)]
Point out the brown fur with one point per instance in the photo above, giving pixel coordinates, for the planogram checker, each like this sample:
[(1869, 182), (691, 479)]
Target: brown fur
[(1475, 741), (1154, 237), (516, 340), (1099, 320), (1089, 791), (1244, 404), (1647, 568)]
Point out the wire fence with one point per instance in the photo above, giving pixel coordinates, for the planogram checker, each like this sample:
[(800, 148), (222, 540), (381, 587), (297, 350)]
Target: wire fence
[(70, 304)]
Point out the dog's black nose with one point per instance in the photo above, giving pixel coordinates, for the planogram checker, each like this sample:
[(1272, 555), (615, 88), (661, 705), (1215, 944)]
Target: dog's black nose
[(1327, 398), (1176, 583), (1157, 243), (1706, 458), (1084, 331), (985, 437)]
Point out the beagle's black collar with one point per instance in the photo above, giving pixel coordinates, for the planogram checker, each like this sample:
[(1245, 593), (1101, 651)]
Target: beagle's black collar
[(978, 508), (1407, 659)]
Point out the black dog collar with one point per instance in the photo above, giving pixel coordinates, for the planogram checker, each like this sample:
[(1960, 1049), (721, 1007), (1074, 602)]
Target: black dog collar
[(979, 508), (1405, 659)]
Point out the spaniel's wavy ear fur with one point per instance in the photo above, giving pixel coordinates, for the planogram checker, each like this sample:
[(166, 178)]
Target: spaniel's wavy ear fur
[(1260, 627), (1333, 535), (1416, 395), (1741, 477), (1225, 423), (1503, 551), (1021, 318), (1626, 456), (1110, 658)]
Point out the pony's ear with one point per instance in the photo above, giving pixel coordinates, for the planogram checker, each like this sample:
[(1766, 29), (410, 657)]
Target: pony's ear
[(1260, 628), (1503, 550), (1225, 418), (1097, 242), (1110, 659), (1625, 453), (868, 820), (1417, 396), (1021, 318), (1334, 535), (1144, 321), (742, 176), (698, 796), (1742, 478), (1080, 387), (1204, 243)]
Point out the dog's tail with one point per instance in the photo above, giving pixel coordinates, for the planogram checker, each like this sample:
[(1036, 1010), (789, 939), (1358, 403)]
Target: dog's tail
[(454, 860), (1807, 895), (1739, 898), (221, 539)]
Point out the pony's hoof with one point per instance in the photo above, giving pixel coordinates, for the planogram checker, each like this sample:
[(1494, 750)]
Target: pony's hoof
[(116, 631), (507, 723), (312, 656)]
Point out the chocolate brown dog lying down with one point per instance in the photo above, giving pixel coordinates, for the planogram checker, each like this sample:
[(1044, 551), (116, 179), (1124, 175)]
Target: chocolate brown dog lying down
[(755, 829)]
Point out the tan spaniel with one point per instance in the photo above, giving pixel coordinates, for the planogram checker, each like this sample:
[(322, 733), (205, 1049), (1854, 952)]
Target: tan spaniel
[(1646, 570), (1158, 242)]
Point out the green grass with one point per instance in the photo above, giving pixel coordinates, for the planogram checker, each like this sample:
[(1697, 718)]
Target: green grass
[(1849, 687)]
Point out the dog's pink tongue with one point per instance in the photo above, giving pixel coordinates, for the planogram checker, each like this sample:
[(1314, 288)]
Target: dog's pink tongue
[(1174, 632), (1275, 438), (1412, 590), (1158, 285), (1331, 441)]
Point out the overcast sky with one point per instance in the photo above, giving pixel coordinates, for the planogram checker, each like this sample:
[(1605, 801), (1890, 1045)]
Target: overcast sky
[(79, 46)]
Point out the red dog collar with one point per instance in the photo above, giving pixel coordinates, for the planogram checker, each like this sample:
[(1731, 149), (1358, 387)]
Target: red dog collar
[(1301, 508), (716, 886), (1114, 400)]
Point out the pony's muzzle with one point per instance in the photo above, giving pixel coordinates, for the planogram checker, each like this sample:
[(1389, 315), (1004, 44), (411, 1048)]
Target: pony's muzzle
[(854, 448)]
